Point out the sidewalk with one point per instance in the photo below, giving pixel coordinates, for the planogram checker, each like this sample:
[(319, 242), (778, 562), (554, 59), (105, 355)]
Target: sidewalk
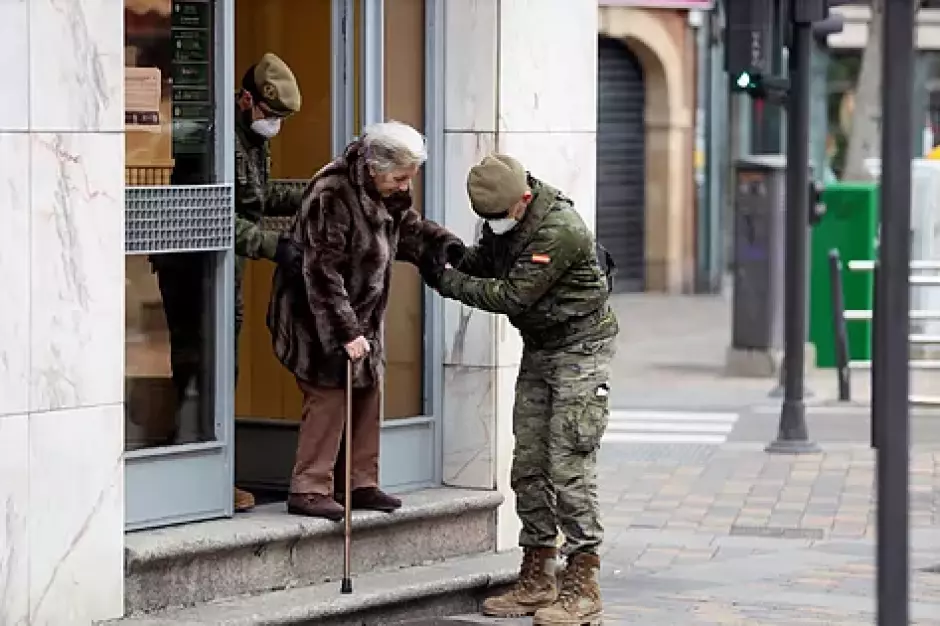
[(727, 534), (732, 535), (737, 536)]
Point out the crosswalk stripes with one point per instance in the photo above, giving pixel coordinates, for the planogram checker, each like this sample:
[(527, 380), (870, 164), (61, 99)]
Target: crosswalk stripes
[(648, 426)]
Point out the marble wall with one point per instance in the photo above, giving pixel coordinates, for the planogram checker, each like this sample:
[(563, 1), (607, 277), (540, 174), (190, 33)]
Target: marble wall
[(61, 327), (510, 86)]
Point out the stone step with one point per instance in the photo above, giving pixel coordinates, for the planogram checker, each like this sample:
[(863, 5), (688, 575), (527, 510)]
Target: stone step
[(267, 549), (453, 586)]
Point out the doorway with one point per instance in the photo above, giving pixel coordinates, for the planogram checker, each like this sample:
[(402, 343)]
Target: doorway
[(621, 161), (380, 73)]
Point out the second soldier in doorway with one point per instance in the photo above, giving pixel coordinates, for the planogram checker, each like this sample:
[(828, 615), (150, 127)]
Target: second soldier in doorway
[(269, 94), (537, 263)]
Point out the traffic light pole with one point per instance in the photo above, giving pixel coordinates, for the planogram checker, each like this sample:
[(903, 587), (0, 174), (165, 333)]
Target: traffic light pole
[(792, 436), (891, 378)]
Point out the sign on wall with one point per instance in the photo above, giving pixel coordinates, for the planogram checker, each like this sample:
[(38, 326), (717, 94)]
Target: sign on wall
[(701, 5)]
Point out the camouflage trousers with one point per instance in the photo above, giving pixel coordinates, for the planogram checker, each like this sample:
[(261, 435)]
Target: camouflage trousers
[(560, 414)]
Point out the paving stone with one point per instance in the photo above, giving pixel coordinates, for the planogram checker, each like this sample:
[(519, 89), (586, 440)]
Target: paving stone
[(807, 557)]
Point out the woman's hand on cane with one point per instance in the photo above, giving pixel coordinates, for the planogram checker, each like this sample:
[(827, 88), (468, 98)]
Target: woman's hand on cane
[(358, 348)]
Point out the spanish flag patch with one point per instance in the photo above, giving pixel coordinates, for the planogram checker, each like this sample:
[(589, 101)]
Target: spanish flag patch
[(542, 259)]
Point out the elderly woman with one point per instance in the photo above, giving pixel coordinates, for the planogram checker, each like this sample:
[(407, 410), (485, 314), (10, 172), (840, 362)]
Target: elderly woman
[(355, 219)]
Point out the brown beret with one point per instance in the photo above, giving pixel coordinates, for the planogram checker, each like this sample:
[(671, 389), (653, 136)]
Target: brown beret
[(495, 184), (276, 85)]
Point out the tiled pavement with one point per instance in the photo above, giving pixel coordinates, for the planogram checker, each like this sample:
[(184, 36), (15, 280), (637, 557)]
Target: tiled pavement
[(731, 535)]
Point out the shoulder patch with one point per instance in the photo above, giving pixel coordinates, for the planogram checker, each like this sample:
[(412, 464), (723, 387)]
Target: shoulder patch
[(542, 259)]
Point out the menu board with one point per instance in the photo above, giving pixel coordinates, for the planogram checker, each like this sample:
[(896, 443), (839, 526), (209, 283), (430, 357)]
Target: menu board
[(142, 92), (192, 73)]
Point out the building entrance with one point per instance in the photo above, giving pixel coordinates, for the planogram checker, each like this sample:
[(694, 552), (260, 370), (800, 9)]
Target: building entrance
[(356, 62)]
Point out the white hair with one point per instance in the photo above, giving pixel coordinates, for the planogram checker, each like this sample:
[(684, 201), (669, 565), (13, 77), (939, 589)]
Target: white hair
[(392, 145)]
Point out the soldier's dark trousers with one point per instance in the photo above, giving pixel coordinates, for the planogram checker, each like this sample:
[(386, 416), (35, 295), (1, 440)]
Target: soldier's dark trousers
[(181, 279), (560, 414), (321, 432)]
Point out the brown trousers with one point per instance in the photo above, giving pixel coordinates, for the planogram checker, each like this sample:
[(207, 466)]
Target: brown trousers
[(319, 444)]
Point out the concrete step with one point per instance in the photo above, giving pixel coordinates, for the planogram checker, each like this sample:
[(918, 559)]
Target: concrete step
[(453, 586), (267, 549)]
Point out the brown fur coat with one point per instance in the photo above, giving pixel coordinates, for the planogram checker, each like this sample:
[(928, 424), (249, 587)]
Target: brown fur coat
[(350, 237)]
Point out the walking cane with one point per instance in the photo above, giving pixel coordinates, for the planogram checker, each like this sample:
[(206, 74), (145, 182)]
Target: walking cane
[(347, 489)]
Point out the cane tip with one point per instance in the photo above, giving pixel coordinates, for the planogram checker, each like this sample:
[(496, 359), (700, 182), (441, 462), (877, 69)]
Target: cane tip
[(346, 586)]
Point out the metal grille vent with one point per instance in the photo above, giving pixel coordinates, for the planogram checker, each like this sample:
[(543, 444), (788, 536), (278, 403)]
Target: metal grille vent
[(179, 218)]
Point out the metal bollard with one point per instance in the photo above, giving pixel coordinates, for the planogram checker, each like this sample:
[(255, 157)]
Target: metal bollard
[(840, 331)]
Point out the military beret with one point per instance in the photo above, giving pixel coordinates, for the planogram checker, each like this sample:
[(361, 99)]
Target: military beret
[(495, 184), (275, 85)]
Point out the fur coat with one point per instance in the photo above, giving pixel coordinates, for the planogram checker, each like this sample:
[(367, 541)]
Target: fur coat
[(350, 237)]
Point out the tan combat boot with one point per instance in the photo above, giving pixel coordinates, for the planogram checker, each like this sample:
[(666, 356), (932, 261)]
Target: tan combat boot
[(579, 601), (244, 501), (536, 588)]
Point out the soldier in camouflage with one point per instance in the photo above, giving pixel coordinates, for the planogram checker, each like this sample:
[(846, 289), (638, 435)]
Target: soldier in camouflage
[(536, 262), (269, 94)]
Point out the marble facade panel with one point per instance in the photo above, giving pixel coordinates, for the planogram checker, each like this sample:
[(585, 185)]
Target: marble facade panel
[(14, 525), (77, 270), (76, 66), (76, 459), (14, 273)]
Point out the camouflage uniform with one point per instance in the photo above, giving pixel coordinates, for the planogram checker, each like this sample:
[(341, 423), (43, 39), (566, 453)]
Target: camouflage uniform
[(545, 276), (255, 195)]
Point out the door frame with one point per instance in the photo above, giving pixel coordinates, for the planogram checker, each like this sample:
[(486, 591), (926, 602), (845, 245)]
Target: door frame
[(192, 482), (411, 447)]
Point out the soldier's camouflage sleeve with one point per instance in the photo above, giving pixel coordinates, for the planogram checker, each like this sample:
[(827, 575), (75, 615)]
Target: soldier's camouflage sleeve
[(283, 200), (547, 257), (252, 241)]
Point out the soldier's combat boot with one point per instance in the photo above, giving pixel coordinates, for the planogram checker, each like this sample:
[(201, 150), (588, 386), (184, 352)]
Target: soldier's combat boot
[(579, 601), (537, 586)]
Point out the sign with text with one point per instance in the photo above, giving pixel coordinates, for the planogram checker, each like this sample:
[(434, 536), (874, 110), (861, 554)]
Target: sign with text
[(701, 5)]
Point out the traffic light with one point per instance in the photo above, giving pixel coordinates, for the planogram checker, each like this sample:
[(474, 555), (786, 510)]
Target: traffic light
[(760, 87), (749, 28), (748, 82)]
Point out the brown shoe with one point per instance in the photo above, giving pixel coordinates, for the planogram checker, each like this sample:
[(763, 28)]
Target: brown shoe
[(536, 588), (579, 601), (244, 501), (315, 505), (372, 499)]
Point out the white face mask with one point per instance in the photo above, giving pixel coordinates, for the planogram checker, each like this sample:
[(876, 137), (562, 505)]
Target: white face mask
[(267, 127), (502, 226)]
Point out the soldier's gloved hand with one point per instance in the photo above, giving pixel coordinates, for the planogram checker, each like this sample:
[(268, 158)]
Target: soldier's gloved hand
[(454, 252), (289, 255), (431, 270)]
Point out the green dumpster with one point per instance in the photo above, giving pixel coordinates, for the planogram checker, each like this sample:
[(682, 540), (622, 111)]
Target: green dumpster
[(850, 225)]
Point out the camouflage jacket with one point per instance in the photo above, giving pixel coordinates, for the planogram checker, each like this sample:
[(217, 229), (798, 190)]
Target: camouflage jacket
[(543, 274), (255, 196)]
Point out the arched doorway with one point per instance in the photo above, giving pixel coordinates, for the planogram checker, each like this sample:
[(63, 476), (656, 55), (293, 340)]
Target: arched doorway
[(621, 161)]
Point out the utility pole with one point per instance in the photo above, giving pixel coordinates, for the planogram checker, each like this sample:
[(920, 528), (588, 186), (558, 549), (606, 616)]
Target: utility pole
[(892, 378), (792, 435)]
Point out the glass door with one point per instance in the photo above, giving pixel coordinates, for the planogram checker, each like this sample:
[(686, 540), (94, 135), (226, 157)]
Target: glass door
[(179, 261), (357, 62)]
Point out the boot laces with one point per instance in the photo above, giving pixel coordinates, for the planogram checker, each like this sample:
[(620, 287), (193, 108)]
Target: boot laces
[(572, 587), (528, 572)]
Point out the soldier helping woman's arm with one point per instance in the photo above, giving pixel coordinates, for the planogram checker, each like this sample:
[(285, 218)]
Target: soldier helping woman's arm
[(536, 263)]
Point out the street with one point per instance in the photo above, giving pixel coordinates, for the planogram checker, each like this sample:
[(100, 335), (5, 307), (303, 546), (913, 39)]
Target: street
[(704, 527)]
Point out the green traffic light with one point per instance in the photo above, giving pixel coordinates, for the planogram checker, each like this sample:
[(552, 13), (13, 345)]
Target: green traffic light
[(744, 80)]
